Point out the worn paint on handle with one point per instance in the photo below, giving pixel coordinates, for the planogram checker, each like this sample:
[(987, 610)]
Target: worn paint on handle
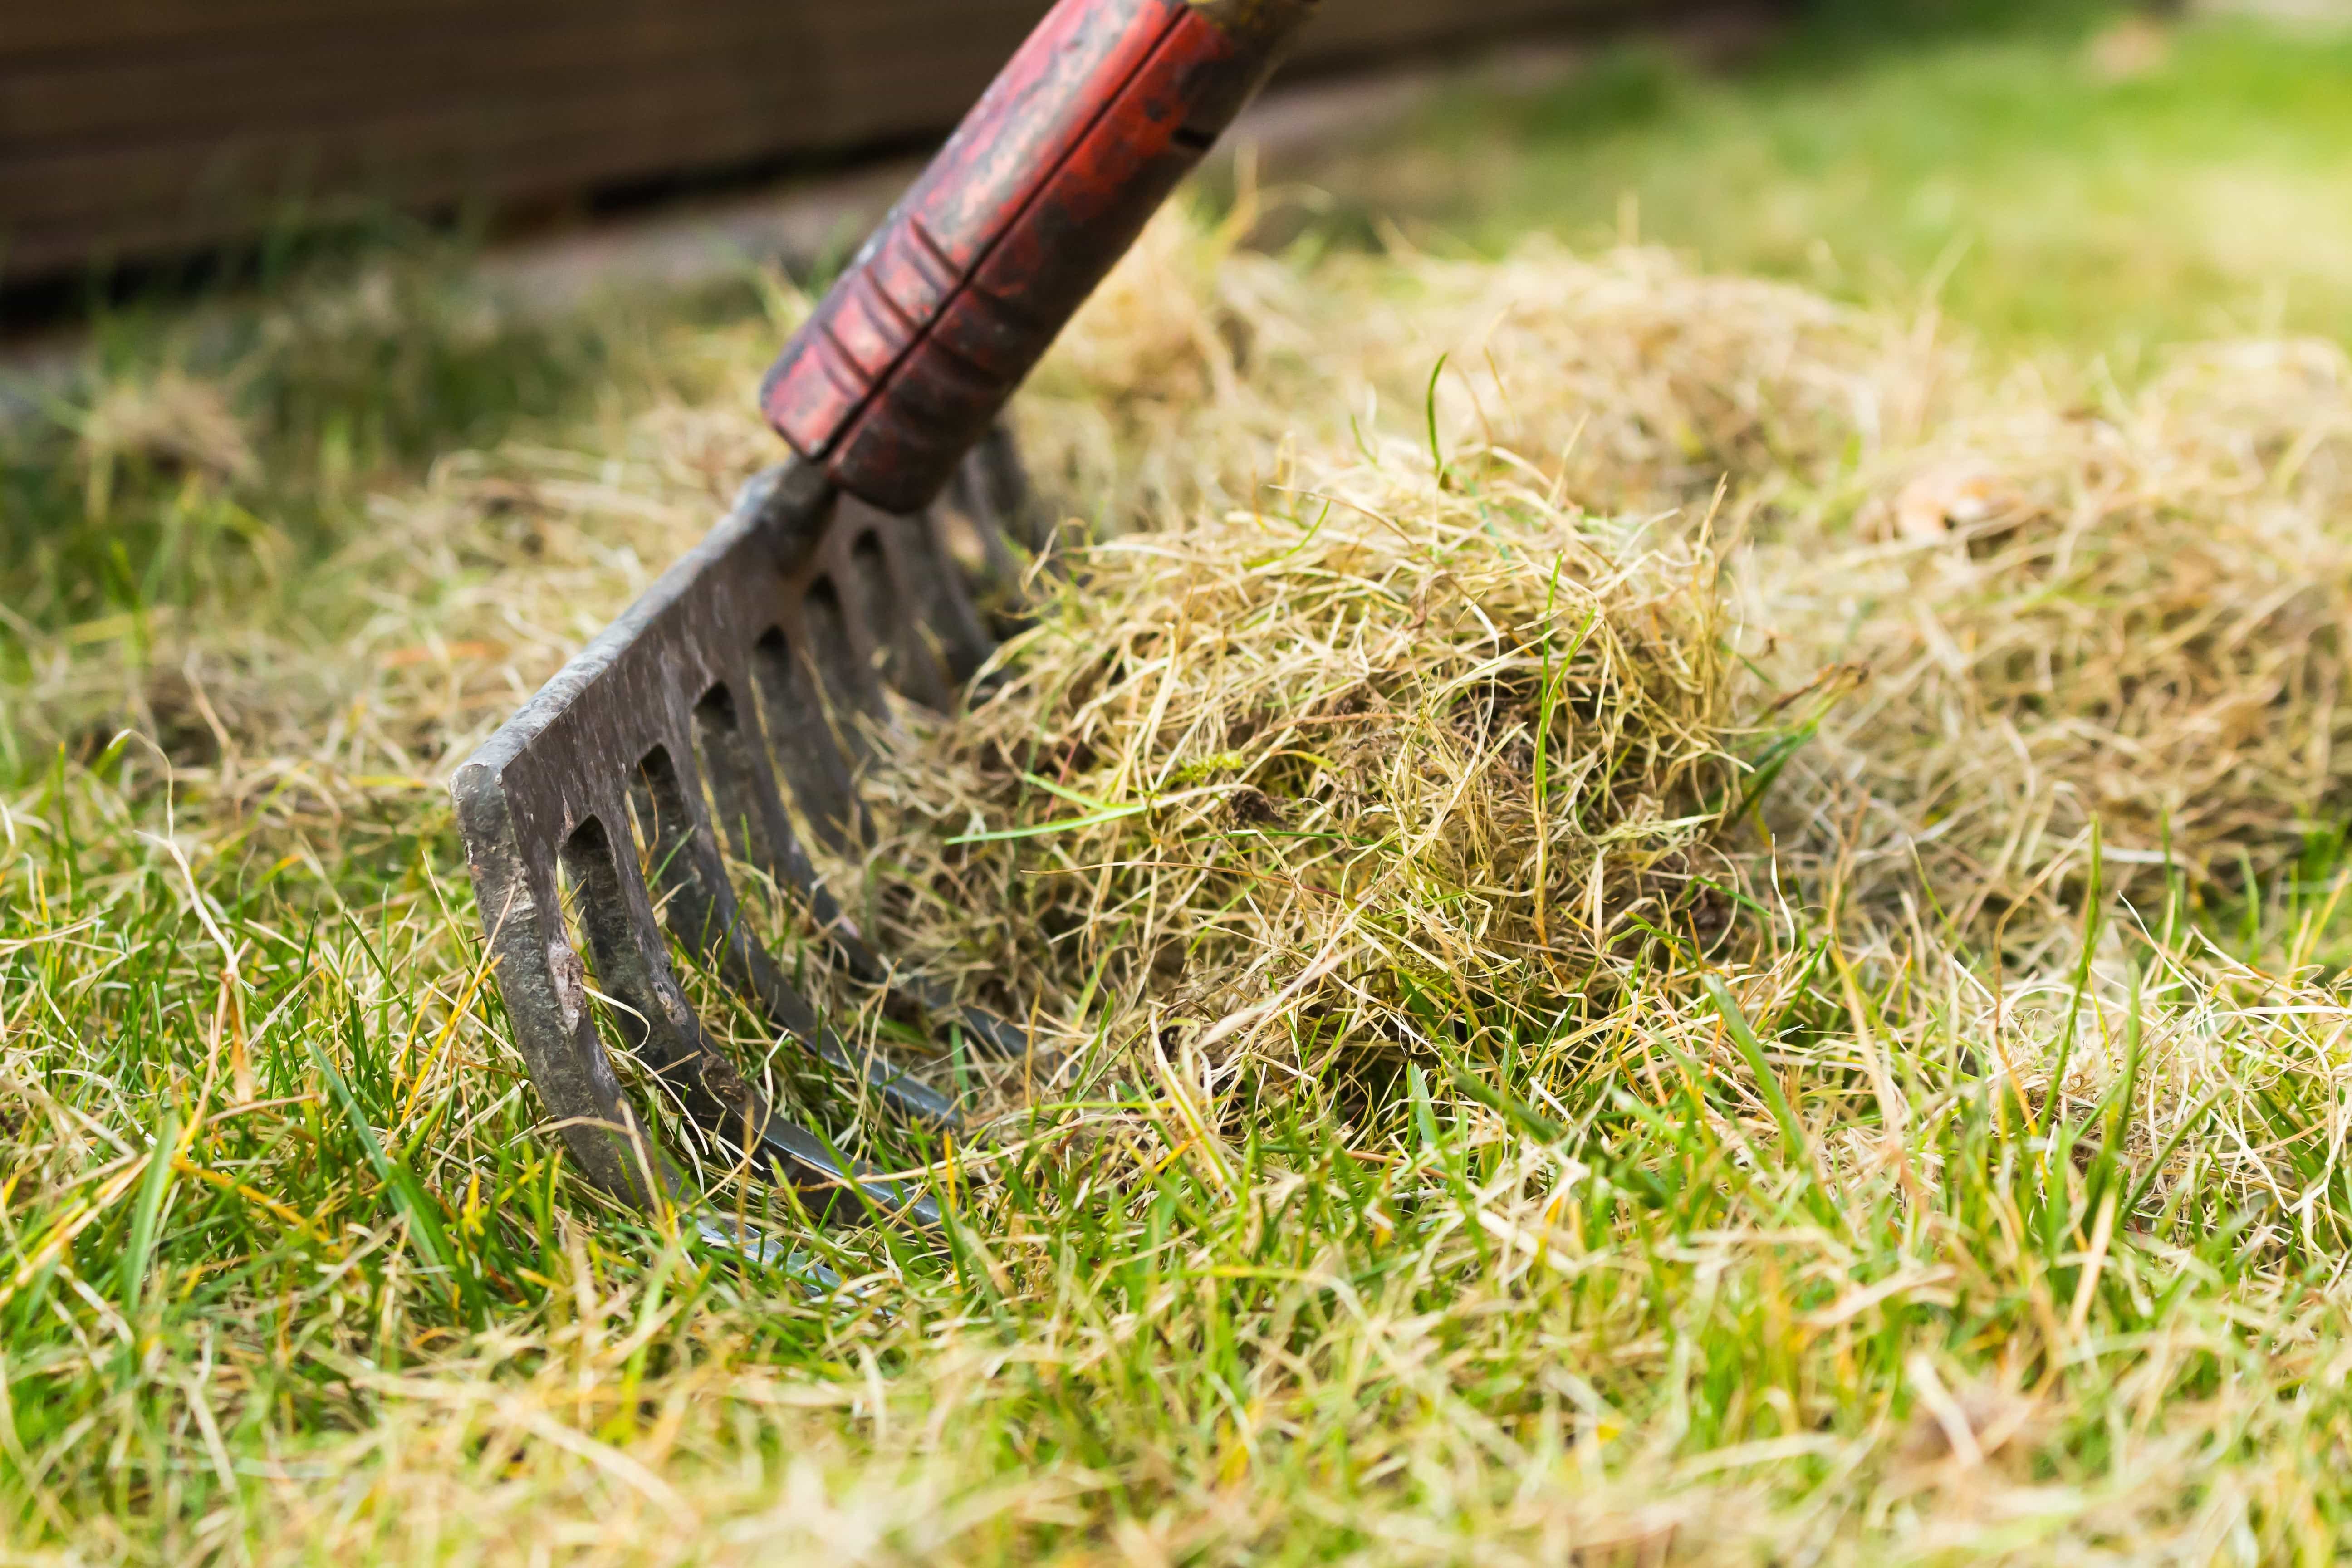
[(1043, 188)]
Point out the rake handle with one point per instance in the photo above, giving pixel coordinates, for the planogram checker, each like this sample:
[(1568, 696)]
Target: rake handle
[(1045, 184)]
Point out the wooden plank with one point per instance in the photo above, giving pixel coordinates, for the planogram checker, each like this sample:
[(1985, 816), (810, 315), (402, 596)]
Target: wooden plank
[(32, 28), (484, 129), (319, 78), (131, 127), (48, 33), (434, 154), (314, 77), (35, 27)]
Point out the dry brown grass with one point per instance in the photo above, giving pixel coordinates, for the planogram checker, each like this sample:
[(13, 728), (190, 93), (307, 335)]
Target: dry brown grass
[(2126, 610), (2071, 599), (1394, 742)]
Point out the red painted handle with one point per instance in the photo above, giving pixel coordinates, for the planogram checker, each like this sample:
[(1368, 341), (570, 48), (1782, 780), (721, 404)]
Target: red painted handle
[(1036, 197)]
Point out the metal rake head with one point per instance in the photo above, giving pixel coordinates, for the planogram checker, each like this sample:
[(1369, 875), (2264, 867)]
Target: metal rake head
[(723, 706), (742, 673)]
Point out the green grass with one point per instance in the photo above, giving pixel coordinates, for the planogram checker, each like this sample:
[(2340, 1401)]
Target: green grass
[(1617, 1299), (2037, 198), (1788, 1271)]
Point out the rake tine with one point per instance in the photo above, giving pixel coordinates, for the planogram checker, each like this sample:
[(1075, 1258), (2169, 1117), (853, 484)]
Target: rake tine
[(761, 660), (700, 908), (608, 751)]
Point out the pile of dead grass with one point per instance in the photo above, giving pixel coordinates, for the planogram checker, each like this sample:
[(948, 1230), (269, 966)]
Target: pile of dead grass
[(2015, 607), (2127, 612), (1404, 741)]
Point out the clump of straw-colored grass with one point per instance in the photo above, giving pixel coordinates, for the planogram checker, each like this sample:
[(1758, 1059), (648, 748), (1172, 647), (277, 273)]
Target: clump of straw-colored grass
[(2014, 607), (2125, 615), (1412, 737)]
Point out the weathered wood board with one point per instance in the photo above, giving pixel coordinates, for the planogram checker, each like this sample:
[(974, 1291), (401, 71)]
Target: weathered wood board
[(135, 128)]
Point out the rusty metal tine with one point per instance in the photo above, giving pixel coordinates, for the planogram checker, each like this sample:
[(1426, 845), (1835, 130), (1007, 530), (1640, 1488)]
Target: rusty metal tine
[(943, 617), (659, 1023), (802, 743), (735, 756), (545, 985), (749, 799), (752, 819), (700, 909), (624, 943), (848, 688), (884, 611)]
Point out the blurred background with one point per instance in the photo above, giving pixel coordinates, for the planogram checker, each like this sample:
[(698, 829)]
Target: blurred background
[(2059, 168), (138, 128), (2096, 173), (349, 240)]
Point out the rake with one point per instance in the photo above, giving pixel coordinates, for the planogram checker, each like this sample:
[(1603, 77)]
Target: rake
[(732, 693)]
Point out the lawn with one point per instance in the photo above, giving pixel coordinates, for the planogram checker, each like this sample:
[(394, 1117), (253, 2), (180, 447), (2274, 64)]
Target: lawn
[(1699, 906), (2078, 184)]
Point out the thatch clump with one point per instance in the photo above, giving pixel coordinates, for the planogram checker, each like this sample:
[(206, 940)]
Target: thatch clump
[(1406, 735), (2126, 613), (2014, 607)]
